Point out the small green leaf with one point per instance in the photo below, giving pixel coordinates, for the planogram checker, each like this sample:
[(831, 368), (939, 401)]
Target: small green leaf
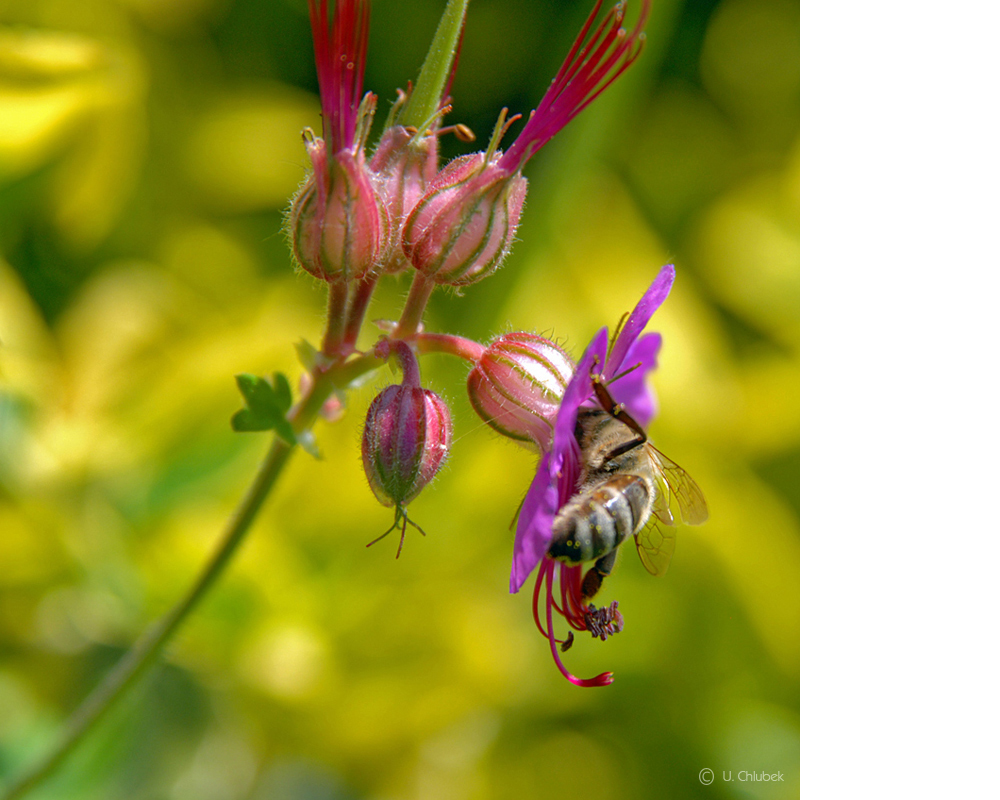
[(284, 429), (267, 405), (282, 392), (247, 384), (245, 420)]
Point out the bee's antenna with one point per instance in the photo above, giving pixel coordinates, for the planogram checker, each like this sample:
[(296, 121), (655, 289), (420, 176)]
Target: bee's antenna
[(616, 410), (621, 375)]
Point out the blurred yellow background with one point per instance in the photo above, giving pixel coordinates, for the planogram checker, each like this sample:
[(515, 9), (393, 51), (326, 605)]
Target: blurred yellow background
[(147, 151)]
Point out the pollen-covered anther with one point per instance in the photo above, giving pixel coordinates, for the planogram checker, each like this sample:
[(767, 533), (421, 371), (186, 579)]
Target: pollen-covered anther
[(462, 132), (603, 622)]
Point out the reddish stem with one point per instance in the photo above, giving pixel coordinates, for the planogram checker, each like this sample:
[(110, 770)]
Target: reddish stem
[(416, 303), (404, 355), (336, 319), (359, 306), (453, 345)]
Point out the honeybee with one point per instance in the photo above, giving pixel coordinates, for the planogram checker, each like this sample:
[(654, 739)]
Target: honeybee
[(624, 483)]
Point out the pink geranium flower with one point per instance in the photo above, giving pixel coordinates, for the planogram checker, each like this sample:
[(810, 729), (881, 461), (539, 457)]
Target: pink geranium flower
[(631, 356)]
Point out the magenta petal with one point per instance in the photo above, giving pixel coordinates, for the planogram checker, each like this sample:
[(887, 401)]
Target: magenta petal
[(632, 391), (534, 524), (558, 471), (639, 318), (578, 390)]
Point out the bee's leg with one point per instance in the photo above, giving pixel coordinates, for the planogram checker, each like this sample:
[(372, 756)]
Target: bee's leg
[(617, 410), (595, 576)]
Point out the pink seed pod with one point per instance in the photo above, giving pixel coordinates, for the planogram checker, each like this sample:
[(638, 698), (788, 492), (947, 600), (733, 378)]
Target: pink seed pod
[(517, 384), (403, 167), (337, 223), (406, 439), (462, 229)]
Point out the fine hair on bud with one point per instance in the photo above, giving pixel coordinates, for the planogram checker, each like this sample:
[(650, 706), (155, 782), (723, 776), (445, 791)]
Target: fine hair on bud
[(463, 227), (406, 439), (517, 384)]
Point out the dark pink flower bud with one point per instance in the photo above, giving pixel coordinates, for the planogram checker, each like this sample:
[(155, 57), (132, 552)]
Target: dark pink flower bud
[(463, 226), (404, 167), (406, 439), (337, 221), (517, 385)]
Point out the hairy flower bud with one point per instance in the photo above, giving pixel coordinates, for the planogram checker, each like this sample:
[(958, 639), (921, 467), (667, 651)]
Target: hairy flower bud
[(517, 385), (406, 439), (463, 226), (337, 221), (404, 168)]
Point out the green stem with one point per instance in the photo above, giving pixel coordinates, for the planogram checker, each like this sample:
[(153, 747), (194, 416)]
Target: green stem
[(422, 106), (143, 653), (429, 90)]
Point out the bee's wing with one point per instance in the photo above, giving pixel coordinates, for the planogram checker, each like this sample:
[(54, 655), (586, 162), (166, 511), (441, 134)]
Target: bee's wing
[(656, 542), (682, 488), (656, 545)]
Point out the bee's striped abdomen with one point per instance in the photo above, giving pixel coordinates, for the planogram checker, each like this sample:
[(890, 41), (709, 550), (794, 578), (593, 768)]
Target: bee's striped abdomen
[(596, 522)]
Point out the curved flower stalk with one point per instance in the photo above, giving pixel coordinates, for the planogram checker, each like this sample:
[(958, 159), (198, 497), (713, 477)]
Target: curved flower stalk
[(463, 227), (337, 232)]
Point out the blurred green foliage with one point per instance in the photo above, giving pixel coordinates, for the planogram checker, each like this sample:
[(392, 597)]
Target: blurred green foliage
[(147, 150)]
